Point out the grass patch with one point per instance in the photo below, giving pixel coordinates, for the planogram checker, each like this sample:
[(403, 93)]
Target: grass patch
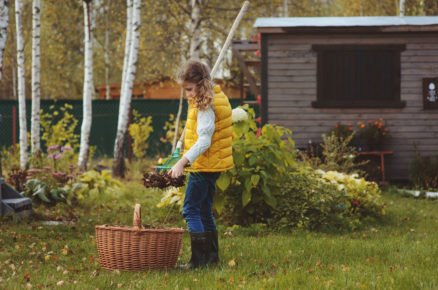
[(400, 253)]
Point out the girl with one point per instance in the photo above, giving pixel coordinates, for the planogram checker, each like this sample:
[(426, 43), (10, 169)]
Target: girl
[(207, 145)]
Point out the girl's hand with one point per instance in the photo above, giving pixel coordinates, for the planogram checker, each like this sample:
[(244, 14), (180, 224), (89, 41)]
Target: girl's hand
[(178, 169)]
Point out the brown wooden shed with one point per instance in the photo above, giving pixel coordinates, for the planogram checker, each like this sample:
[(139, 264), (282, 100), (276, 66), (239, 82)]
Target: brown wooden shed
[(318, 71)]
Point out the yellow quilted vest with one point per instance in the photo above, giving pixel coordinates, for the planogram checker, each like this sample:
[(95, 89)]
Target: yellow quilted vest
[(219, 156)]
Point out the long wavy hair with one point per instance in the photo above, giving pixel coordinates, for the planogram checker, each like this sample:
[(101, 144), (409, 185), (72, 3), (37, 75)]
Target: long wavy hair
[(196, 72)]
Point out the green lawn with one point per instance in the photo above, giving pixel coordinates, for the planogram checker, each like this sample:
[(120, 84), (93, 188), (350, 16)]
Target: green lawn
[(402, 253)]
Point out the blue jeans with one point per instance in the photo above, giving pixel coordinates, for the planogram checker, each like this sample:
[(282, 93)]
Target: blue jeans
[(197, 208)]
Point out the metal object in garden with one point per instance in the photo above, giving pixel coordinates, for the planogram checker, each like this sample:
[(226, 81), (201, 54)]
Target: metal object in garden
[(170, 161), (13, 203)]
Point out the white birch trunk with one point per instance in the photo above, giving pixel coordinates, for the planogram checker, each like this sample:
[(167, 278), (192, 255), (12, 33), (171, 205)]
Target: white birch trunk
[(402, 8), (285, 8), (106, 53), (21, 85), (194, 28), (88, 87), (36, 64), (4, 21), (125, 101), (128, 41)]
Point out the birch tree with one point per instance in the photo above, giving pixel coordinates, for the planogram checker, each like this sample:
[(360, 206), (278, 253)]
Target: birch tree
[(195, 43), (4, 21), (21, 85), (36, 64), (88, 86), (107, 52), (129, 23), (125, 101), (402, 7)]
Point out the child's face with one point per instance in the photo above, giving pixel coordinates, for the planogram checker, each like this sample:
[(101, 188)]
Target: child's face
[(189, 89)]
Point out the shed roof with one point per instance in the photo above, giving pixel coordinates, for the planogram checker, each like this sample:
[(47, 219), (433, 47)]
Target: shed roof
[(407, 23)]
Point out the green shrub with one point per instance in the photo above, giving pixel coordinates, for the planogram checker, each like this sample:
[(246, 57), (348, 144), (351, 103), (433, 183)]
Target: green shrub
[(342, 131), (140, 130), (326, 200), (52, 187), (59, 138), (10, 158), (59, 129), (261, 164), (424, 172), (91, 184), (41, 191), (337, 155)]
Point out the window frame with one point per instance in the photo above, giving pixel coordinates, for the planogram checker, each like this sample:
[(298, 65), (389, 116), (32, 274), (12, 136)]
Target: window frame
[(323, 102)]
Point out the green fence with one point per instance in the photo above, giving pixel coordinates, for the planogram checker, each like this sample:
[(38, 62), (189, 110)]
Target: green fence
[(104, 124)]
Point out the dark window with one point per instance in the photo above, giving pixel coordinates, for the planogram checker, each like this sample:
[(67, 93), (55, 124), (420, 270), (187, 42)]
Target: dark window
[(358, 76)]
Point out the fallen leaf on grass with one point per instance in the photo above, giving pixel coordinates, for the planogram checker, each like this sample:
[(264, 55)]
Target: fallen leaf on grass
[(65, 250), (318, 264), (232, 263), (60, 283), (94, 273), (26, 277), (28, 286)]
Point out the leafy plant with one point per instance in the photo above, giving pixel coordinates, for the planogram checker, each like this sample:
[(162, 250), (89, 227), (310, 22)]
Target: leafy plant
[(56, 152), (59, 127), (140, 130), (17, 178), (373, 134), (261, 163), (364, 196), (342, 131), (36, 188), (172, 196), (424, 172), (10, 157), (337, 155), (326, 200), (92, 184)]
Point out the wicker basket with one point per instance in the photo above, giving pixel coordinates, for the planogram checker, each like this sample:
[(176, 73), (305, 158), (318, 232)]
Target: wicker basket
[(138, 248)]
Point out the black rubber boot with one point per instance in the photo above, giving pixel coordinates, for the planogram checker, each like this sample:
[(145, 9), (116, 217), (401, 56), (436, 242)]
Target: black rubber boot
[(199, 249), (213, 248)]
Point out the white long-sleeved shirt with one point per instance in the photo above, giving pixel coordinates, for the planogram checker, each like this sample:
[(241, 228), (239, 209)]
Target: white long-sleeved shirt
[(205, 129)]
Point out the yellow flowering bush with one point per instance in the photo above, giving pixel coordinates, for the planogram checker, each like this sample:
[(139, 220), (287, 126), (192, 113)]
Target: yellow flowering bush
[(362, 194), (140, 130)]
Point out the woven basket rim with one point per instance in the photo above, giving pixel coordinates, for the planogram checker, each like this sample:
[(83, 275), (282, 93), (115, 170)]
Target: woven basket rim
[(132, 229)]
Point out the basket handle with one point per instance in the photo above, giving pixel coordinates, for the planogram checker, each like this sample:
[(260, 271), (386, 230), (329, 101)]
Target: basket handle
[(136, 222)]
